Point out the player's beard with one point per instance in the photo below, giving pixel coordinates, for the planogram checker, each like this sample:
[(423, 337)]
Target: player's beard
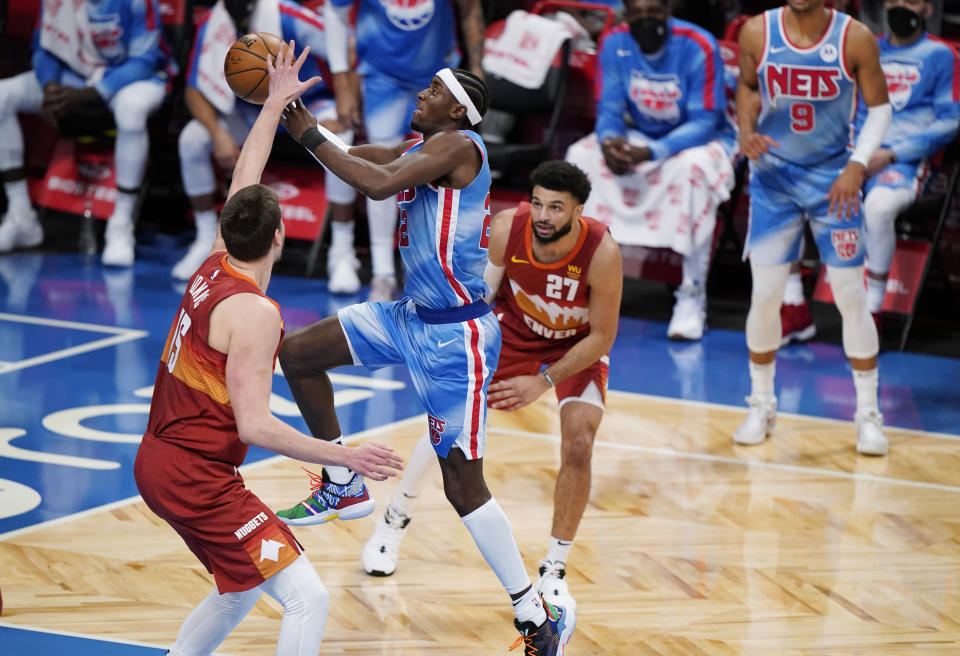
[(558, 233)]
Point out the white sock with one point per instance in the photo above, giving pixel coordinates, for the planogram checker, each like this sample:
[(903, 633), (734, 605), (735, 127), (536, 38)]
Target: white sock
[(876, 291), (18, 197), (415, 472), (558, 550), (529, 608), (341, 236), (337, 474), (206, 222), (866, 383), (491, 531), (761, 380), (793, 292), (123, 209)]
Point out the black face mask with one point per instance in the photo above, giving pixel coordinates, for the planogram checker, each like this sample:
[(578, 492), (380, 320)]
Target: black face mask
[(649, 33), (902, 21), (239, 11)]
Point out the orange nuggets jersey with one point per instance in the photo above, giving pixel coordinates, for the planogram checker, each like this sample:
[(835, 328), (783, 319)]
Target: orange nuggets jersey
[(191, 407), (546, 301)]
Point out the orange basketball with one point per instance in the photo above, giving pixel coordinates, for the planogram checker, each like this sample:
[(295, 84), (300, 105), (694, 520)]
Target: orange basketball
[(245, 65)]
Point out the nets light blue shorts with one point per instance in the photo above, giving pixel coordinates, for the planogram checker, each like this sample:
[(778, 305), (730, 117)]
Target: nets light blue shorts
[(451, 355), (783, 196)]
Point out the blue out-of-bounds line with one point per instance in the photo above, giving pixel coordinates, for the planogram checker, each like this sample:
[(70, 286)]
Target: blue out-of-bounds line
[(30, 641)]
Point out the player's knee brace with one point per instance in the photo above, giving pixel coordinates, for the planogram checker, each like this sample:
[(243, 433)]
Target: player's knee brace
[(766, 295), (859, 333)]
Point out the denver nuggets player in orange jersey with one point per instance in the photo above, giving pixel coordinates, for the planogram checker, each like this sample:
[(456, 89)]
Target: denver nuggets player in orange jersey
[(211, 401), (557, 277)]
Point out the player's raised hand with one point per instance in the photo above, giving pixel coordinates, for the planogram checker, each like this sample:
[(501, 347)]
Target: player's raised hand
[(844, 193), (285, 85), (374, 460), (515, 393), (297, 119), (754, 145)]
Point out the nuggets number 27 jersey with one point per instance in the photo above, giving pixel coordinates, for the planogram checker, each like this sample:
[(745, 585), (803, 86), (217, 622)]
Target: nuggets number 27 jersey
[(808, 95)]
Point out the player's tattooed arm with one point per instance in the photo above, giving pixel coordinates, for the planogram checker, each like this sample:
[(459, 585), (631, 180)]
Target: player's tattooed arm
[(752, 143), (472, 29)]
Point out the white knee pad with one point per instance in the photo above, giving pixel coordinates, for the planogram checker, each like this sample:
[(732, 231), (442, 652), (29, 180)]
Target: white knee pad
[(859, 332), (194, 147), (766, 296), (880, 210)]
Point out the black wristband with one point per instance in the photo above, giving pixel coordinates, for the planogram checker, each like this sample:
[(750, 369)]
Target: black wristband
[(311, 139)]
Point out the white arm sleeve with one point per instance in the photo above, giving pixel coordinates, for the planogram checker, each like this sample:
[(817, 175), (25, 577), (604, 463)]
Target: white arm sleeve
[(871, 134), (335, 21), (493, 276)]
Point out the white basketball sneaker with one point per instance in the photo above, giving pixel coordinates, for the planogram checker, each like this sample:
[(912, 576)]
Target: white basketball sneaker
[(379, 555), (198, 252), (870, 438), (118, 244), (342, 273), (21, 230), (551, 585), (689, 315), (761, 418)]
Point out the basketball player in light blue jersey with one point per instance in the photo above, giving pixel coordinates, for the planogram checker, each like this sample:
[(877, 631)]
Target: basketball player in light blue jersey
[(800, 67), (443, 330), (924, 89), (400, 44)]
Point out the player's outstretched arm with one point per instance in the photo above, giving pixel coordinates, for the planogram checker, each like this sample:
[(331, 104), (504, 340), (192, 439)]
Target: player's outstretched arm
[(247, 328), (752, 143), (376, 177)]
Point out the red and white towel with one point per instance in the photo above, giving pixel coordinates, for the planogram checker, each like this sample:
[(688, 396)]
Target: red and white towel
[(65, 33), (523, 53)]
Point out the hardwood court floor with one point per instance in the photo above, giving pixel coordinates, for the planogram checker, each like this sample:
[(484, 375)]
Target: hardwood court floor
[(689, 546)]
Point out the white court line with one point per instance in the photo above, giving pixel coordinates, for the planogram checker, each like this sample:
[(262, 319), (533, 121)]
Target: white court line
[(71, 634), (370, 432), (753, 464), (120, 335), (823, 420)]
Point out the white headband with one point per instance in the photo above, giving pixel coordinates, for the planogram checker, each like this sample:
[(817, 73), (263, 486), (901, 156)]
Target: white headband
[(449, 79)]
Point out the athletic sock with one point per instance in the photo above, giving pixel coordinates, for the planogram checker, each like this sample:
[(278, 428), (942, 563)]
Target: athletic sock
[(761, 380), (558, 550), (338, 475), (866, 383)]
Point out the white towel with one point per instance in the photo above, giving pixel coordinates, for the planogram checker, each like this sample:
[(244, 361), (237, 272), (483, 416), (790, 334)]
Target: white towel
[(65, 33), (220, 34), (522, 54)]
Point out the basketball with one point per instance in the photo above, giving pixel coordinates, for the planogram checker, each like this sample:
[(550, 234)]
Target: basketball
[(245, 65)]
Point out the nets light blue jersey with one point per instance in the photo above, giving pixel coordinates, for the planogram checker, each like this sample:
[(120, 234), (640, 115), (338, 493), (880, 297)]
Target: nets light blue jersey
[(443, 238), (404, 38), (923, 82), (808, 95)]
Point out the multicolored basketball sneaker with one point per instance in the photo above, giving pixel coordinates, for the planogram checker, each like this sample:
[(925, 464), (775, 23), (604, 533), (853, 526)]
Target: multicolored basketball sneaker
[(329, 501), (551, 637)]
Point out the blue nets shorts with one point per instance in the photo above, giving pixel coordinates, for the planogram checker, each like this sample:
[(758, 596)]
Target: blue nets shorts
[(451, 365), (783, 197)]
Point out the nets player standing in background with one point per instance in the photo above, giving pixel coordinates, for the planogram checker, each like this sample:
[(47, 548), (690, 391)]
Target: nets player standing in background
[(800, 68), (443, 330), (557, 277), (211, 401), (400, 45)]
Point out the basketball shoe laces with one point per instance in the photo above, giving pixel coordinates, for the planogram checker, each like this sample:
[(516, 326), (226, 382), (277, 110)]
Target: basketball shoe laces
[(527, 639), (330, 493)]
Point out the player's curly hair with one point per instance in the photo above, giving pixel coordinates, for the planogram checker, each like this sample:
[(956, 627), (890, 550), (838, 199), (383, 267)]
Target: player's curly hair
[(558, 175), (248, 221), (476, 89)]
